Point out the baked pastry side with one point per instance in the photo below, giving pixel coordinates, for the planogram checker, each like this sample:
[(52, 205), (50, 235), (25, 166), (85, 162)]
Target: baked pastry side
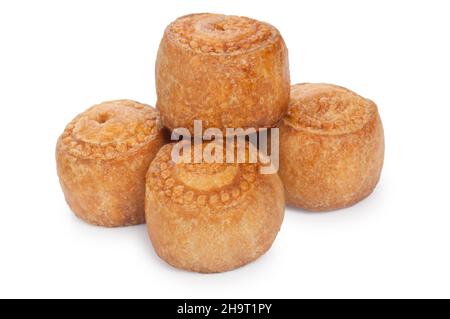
[(211, 217), (331, 147), (102, 158), (227, 71)]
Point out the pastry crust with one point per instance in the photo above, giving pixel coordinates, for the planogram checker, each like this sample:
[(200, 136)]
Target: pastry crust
[(211, 217), (102, 158), (227, 71), (331, 147)]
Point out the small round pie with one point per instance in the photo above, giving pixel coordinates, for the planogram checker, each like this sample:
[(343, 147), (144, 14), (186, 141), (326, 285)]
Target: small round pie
[(226, 71), (331, 147), (102, 158), (211, 217)]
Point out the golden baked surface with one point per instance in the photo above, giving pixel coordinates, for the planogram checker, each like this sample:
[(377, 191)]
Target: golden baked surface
[(219, 33), (331, 147), (327, 109), (109, 129), (102, 158), (211, 217), (206, 186), (226, 71)]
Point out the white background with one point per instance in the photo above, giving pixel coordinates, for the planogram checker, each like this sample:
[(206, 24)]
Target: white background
[(59, 57)]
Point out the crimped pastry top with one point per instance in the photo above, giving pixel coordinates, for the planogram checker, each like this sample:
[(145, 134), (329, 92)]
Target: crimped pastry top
[(210, 186), (220, 34), (110, 129), (327, 109)]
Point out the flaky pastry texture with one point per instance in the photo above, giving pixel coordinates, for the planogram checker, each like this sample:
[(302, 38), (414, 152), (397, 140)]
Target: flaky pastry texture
[(331, 147), (227, 71), (102, 158), (211, 217)]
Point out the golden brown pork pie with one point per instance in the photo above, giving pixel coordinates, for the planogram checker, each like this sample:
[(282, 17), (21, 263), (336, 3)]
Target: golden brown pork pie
[(102, 158), (331, 147), (211, 217), (227, 71)]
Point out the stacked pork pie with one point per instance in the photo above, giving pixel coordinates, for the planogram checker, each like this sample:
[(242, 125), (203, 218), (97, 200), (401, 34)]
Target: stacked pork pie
[(116, 164)]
